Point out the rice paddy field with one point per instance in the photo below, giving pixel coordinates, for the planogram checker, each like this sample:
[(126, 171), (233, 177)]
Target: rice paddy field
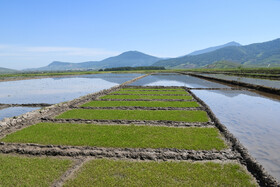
[(132, 151)]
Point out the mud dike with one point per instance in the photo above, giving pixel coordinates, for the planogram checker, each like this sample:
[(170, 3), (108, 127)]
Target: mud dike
[(149, 129)]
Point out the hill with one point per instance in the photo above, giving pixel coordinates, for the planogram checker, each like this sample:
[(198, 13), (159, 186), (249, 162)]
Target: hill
[(210, 49), (6, 70), (130, 58), (253, 55)]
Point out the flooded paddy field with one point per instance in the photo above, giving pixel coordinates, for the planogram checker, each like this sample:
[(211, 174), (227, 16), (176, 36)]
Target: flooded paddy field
[(15, 111), (174, 79), (132, 128), (254, 119), (254, 81), (56, 90)]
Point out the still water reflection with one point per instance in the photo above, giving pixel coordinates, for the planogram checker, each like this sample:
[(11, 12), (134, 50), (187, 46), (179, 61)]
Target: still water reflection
[(55, 90), (253, 119), (262, 82), (172, 79), (15, 111)]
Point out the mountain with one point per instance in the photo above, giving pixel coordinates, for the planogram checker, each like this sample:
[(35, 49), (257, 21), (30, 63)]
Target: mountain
[(210, 49), (253, 55), (6, 70), (129, 58)]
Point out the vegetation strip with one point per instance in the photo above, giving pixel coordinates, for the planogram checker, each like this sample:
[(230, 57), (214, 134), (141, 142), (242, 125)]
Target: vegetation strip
[(159, 92), (178, 104), (152, 89), (119, 136), (167, 115), (185, 97), (118, 153), (106, 172), (31, 171), (182, 100), (139, 108)]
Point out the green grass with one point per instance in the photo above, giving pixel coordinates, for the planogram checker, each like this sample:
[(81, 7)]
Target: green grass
[(30, 171), (142, 104), (105, 172), (169, 115), (153, 89), (151, 92), (119, 136), (185, 97)]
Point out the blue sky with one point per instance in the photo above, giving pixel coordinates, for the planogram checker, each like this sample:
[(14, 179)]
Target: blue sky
[(33, 33)]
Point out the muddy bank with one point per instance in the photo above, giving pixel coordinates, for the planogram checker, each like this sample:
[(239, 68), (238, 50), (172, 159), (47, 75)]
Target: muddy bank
[(26, 105), (257, 170), (141, 108), (135, 122), (233, 82), (128, 153)]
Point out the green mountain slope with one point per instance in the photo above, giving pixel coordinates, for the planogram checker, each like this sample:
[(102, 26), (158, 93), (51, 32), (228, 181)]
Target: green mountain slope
[(130, 58), (210, 49), (259, 55), (6, 70)]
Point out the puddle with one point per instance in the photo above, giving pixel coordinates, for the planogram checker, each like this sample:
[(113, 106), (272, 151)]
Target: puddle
[(253, 119), (262, 82), (55, 90), (15, 111), (174, 79)]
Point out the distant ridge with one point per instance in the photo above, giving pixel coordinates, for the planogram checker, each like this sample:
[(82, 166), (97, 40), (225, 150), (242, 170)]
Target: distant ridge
[(129, 58), (266, 54), (210, 49), (6, 70)]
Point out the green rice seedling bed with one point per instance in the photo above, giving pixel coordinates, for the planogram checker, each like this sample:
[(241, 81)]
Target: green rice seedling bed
[(179, 104), (105, 172), (122, 136), (167, 115), (156, 89), (185, 97), (31, 171), (151, 92)]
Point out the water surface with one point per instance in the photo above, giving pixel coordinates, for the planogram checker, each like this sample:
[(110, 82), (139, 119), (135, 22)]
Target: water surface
[(15, 111), (174, 79), (262, 82), (55, 90), (253, 119)]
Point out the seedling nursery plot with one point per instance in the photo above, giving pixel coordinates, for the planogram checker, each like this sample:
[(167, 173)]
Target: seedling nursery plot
[(178, 104), (31, 171), (148, 97), (151, 92), (164, 146), (119, 136), (154, 115), (105, 172)]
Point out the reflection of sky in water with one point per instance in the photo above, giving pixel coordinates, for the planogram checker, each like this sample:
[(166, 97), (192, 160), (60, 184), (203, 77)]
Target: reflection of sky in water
[(15, 111), (173, 79), (55, 90), (263, 82), (253, 119)]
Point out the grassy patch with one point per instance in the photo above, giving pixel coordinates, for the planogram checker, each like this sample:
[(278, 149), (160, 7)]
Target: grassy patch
[(119, 136), (142, 104), (154, 89), (30, 171), (150, 92), (186, 97), (168, 115), (104, 172)]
